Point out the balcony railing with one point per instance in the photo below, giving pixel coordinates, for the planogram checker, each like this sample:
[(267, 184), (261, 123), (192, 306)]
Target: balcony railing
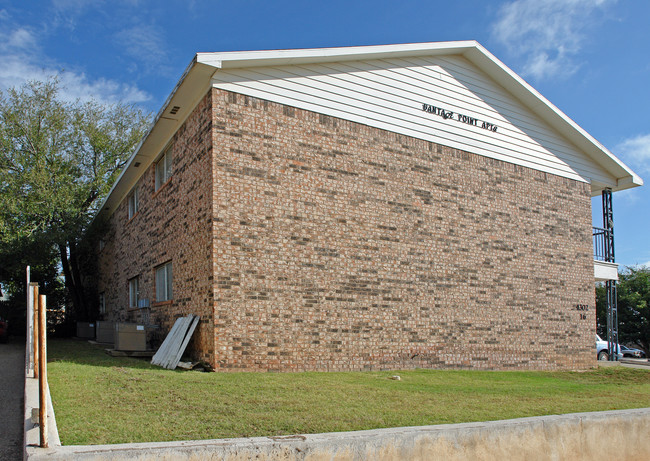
[(603, 248)]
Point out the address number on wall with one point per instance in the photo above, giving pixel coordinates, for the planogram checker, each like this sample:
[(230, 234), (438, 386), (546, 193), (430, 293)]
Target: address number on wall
[(582, 308)]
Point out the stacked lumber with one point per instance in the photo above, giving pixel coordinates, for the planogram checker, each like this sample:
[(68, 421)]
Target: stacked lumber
[(174, 345)]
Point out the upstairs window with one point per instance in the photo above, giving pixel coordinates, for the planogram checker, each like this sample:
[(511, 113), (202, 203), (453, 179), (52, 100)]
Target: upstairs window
[(164, 168), (164, 282), (102, 303), (133, 202), (134, 292)]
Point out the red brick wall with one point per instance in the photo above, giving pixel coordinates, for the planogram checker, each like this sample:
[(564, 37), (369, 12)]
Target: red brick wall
[(174, 224), (339, 246)]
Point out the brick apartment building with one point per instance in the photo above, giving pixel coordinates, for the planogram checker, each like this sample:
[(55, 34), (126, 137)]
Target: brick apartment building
[(393, 206)]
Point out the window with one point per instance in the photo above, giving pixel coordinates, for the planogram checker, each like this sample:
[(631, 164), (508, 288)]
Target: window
[(164, 168), (133, 202), (164, 282), (134, 292), (102, 303)]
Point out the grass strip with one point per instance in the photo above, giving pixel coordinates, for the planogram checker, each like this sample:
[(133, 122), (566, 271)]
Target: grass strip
[(100, 399)]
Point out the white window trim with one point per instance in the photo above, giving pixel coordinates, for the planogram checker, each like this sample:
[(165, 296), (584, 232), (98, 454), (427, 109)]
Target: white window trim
[(164, 281), (163, 168), (133, 202), (102, 303), (134, 292)]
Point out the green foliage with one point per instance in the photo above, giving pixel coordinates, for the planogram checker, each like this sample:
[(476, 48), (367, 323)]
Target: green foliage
[(102, 399), (42, 259), (58, 160), (634, 307), (633, 295)]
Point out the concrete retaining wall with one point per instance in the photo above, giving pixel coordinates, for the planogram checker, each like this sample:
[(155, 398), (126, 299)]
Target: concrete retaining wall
[(620, 435), (32, 437)]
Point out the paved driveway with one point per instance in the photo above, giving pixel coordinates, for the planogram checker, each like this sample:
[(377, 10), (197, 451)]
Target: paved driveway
[(12, 389)]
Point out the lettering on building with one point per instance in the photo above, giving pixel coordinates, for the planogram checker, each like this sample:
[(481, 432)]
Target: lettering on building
[(450, 115)]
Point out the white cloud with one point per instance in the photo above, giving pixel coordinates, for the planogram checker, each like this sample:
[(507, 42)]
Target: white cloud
[(146, 44), (73, 5), (548, 33), (15, 71), (636, 151), (23, 61), (629, 197), (20, 39), (67, 12), (78, 86), (15, 38)]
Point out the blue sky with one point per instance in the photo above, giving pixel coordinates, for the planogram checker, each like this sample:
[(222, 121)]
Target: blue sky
[(591, 58)]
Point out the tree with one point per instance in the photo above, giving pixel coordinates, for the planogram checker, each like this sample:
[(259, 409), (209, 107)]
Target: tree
[(43, 261), (58, 161), (633, 295)]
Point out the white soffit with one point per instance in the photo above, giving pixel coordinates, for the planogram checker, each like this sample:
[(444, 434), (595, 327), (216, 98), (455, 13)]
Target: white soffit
[(192, 86)]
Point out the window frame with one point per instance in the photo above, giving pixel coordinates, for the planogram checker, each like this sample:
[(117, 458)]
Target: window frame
[(134, 292), (133, 202), (163, 169), (102, 302), (164, 280)]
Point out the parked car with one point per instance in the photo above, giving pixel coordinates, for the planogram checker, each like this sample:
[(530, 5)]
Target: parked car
[(602, 351), (4, 330), (633, 353)]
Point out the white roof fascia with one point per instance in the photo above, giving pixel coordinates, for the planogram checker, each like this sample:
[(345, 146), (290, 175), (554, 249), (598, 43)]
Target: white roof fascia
[(242, 59), (518, 87), (149, 148)]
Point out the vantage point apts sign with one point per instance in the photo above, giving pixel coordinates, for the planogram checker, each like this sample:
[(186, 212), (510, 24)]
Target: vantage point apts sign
[(450, 115)]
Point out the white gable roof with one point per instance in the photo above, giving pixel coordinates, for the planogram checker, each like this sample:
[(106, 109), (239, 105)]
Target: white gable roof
[(388, 86)]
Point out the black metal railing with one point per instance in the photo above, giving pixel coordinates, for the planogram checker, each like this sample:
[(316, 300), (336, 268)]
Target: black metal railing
[(602, 237)]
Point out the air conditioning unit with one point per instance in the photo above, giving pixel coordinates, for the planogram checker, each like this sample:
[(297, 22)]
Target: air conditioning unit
[(143, 303), (85, 330), (105, 332), (130, 337)]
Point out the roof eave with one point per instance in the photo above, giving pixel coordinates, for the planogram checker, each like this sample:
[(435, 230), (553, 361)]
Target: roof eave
[(184, 94), (242, 59), (625, 178)]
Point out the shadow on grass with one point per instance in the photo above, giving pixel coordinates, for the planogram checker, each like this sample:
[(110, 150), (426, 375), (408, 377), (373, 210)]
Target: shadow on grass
[(81, 352)]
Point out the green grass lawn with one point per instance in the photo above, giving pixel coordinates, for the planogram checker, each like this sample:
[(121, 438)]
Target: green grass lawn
[(101, 399)]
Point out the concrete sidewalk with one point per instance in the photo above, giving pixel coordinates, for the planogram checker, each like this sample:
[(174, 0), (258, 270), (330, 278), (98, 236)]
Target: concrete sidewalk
[(643, 364), (12, 391)]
